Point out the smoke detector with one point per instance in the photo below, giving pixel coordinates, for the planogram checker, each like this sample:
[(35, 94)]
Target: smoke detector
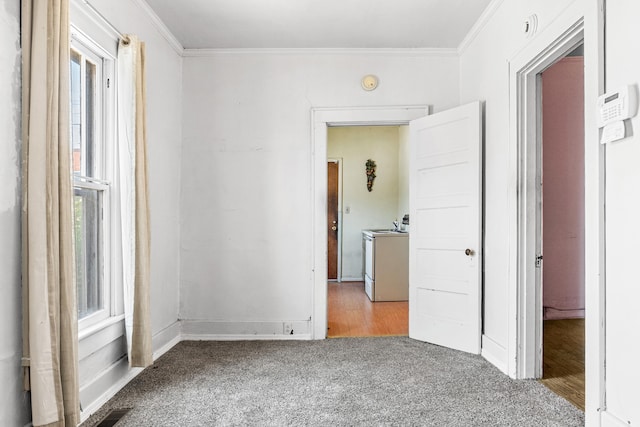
[(369, 82)]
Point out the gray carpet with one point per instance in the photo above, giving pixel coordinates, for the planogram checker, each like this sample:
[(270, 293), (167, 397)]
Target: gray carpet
[(335, 382)]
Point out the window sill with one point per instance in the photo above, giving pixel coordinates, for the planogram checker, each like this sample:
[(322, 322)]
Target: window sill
[(93, 329)]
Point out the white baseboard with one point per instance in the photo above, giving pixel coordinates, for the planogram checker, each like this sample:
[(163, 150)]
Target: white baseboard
[(609, 420), (218, 330), (166, 339), (352, 279), (229, 337), (495, 354), (118, 375)]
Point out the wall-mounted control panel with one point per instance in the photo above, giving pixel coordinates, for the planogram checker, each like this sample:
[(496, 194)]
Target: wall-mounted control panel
[(613, 109)]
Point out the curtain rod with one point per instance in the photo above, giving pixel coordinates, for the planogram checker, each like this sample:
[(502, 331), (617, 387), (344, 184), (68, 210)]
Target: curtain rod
[(105, 21)]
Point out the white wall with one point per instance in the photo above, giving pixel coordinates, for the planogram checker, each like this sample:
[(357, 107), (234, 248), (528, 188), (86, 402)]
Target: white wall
[(101, 370), (484, 75), (14, 407), (623, 228), (246, 174), (367, 210)]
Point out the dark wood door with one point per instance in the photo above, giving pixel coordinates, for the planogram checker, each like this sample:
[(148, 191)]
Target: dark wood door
[(332, 220)]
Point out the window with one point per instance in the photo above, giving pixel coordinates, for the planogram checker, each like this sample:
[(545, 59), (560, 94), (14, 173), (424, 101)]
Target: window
[(90, 113)]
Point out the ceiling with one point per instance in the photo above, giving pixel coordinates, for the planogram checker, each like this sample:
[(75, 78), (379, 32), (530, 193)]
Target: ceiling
[(228, 24)]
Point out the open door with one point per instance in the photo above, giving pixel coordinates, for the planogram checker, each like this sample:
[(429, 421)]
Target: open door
[(445, 250)]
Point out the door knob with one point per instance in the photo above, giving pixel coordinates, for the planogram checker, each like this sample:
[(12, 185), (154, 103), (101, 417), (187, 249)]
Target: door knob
[(334, 228), (468, 252)]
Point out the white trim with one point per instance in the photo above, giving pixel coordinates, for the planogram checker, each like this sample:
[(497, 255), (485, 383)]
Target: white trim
[(247, 330), (120, 374), (240, 337), (595, 279), (93, 14), (321, 118), (525, 332), (113, 375), (479, 25), (160, 26), (353, 279), (94, 329), (417, 52), (85, 8), (494, 353), (608, 420), (166, 339)]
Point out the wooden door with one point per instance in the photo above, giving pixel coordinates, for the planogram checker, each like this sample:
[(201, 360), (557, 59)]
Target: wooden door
[(445, 249), (332, 220)]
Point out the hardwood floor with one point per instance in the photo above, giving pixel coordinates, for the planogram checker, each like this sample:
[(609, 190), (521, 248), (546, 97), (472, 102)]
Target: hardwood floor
[(352, 314), (563, 359)]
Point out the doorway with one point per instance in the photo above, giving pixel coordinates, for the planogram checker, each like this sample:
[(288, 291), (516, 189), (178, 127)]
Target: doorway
[(356, 204), (562, 230), (528, 132), (322, 119)]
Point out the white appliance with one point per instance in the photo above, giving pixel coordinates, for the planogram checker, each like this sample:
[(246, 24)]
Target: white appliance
[(386, 265)]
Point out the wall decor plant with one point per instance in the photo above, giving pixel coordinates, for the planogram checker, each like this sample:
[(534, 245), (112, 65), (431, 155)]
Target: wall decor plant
[(371, 173)]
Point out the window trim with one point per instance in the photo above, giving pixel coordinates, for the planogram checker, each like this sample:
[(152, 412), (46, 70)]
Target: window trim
[(104, 181)]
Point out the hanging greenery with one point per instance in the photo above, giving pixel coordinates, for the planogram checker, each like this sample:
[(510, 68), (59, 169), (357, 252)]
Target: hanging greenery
[(371, 173)]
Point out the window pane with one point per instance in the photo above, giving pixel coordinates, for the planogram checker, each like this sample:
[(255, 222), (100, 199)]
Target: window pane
[(88, 245), (90, 100), (83, 114), (76, 111)]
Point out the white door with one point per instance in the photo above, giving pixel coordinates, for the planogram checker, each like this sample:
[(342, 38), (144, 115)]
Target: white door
[(445, 251)]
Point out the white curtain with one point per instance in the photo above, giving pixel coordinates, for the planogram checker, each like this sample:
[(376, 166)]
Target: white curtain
[(134, 204), (50, 340)]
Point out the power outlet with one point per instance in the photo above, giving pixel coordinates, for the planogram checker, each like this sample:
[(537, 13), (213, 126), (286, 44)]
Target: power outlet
[(287, 328)]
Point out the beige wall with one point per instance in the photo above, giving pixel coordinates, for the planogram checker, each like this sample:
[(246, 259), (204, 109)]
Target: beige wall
[(375, 209), (403, 171)]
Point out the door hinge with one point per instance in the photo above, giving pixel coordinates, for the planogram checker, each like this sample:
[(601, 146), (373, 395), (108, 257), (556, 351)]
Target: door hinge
[(108, 83), (538, 261)]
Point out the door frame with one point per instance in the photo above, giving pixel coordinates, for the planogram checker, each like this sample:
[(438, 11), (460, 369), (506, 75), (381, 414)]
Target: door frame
[(338, 160), (576, 22), (528, 94), (321, 119)]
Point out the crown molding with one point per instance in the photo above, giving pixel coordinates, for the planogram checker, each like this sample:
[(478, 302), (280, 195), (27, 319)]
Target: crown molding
[(160, 26), (417, 52), (487, 14)]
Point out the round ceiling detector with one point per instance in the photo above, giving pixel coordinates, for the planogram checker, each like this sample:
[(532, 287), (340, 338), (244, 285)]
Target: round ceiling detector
[(369, 82)]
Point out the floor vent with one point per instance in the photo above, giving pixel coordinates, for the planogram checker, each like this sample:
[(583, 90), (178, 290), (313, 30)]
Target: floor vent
[(113, 417)]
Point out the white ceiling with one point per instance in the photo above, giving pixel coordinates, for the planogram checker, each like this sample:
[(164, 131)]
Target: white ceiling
[(211, 24)]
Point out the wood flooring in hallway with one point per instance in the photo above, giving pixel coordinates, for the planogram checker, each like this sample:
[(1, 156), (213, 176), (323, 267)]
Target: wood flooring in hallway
[(563, 359), (352, 314)]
